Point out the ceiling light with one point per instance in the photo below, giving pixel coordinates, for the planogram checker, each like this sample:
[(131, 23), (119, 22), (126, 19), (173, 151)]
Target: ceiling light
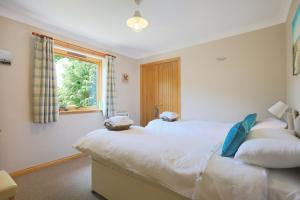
[(137, 22)]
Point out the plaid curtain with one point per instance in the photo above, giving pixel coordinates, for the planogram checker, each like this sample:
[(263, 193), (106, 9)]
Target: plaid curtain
[(109, 103), (45, 100)]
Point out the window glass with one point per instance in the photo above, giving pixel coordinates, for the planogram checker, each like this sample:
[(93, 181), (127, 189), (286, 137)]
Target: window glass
[(77, 82)]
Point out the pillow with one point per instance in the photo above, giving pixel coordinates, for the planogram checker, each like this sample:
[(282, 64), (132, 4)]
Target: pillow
[(270, 123), (234, 139), (271, 133), (250, 121), (270, 148)]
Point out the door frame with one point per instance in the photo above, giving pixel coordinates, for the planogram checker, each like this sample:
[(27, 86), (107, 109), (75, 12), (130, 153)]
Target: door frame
[(178, 60)]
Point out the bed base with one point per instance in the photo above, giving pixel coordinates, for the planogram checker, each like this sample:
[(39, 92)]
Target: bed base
[(115, 184)]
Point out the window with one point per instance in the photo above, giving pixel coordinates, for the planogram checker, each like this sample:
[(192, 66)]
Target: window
[(78, 80)]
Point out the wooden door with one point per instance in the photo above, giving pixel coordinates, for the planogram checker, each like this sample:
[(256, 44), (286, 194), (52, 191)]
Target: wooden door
[(149, 85), (160, 88)]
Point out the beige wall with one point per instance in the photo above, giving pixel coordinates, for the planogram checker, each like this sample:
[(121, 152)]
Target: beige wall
[(22, 143), (293, 82), (250, 80)]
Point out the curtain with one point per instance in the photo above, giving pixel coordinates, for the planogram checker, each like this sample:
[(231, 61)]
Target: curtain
[(109, 89), (45, 99)]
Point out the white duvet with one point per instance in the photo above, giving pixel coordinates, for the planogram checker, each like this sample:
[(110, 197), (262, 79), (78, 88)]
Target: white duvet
[(181, 156)]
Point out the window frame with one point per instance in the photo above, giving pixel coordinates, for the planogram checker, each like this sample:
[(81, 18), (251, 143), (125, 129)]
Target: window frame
[(86, 58)]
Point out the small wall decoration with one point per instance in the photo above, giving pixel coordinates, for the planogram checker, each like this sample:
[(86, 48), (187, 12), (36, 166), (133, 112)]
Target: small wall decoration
[(5, 57), (125, 77), (296, 41), (221, 59)]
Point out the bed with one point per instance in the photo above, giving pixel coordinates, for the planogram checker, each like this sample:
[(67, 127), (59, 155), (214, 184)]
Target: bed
[(178, 160)]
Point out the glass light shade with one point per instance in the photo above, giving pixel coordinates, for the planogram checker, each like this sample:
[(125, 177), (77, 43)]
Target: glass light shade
[(137, 23), (278, 109)]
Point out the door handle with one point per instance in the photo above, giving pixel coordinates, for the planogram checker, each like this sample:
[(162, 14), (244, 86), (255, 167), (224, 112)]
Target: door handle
[(157, 110)]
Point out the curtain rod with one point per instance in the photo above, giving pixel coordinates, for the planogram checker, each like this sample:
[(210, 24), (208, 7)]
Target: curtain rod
[(60, 42)]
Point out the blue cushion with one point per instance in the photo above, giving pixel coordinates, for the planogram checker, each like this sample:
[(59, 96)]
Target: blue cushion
[(234, 139), (250, 121)]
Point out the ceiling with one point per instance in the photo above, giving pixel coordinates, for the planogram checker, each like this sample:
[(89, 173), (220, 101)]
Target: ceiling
[(173, 23)]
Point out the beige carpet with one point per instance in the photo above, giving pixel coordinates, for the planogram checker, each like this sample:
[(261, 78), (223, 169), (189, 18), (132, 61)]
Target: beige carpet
[(67, 181)]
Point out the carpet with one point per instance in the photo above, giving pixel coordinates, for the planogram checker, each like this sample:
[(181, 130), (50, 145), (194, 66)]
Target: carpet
[(68, 181)]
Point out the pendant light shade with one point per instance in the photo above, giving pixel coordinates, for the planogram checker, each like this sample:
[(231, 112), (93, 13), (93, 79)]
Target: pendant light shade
[(137, 22)]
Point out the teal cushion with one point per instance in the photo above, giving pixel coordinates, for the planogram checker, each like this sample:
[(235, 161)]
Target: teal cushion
[(234, 139), (250, 121)]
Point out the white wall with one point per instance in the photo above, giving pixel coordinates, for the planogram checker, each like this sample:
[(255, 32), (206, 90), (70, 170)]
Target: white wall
[(293, 82), (250, 80), (22, 143)]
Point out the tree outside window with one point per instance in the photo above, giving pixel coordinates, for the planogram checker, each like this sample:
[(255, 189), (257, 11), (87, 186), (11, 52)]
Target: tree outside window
[(77, 82)]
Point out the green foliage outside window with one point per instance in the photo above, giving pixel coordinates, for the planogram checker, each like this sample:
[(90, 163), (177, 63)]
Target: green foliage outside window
[(78, 81)]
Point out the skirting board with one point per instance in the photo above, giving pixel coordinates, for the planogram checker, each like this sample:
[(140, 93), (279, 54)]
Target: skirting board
[(46, 165)]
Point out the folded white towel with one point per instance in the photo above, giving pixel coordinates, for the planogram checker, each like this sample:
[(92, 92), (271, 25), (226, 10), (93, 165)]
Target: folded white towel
[(119, 121), (169, 115)]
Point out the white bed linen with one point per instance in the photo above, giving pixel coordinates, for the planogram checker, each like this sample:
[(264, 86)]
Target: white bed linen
[(284, 184), (177, 156), (226, 178)]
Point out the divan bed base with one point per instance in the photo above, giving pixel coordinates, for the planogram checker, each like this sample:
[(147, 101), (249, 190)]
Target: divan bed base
[(115, 184)]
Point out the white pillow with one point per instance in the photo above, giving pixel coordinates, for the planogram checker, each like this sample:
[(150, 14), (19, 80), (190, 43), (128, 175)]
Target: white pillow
[(270, 123), (277, 149), (271, 133)]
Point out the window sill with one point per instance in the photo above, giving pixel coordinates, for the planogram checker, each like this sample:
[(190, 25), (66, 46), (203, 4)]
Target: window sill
[(79, 111)]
